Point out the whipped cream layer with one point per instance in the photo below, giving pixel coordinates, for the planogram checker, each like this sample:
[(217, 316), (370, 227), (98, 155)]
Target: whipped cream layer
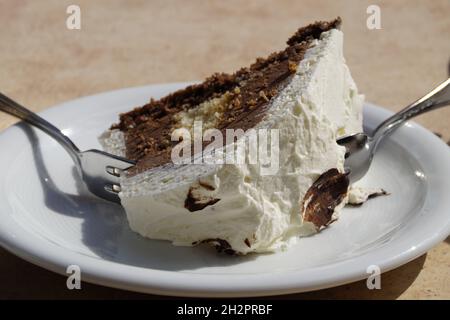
[(245, 211)]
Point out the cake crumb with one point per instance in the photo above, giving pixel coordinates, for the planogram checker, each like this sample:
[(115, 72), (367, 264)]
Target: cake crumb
[(262, 94), (292, 66)]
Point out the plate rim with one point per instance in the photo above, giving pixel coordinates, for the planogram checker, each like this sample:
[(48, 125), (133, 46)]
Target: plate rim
[(206, 285)]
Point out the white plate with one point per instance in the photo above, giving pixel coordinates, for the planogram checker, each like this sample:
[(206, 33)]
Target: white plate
[(48, 219)]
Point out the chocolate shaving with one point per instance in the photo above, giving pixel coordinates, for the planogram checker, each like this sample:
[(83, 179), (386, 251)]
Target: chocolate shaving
[(327, 192), (195, 203), (377, 194), (221, 246)]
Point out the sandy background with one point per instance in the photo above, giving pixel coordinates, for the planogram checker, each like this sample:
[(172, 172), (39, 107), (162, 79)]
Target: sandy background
[(132, 43)]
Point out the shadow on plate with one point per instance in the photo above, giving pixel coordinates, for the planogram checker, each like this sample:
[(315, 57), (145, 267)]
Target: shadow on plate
[(393, 284), (105, 229)]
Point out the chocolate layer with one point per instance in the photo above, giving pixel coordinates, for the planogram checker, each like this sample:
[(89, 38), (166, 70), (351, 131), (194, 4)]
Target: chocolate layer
[(148, 129)]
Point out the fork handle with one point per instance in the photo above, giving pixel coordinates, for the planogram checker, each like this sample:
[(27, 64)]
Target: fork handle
[(437, 98), (15, 109)]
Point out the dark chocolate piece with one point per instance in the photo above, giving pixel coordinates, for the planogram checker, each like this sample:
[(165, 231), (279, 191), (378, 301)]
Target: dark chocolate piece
[(327, 192)]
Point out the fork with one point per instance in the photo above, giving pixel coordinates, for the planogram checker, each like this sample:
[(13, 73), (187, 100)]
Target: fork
[(361, 147), (99, 170)]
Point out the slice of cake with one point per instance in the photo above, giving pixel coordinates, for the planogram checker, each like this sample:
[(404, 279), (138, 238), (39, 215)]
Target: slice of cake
[(304, 98)]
